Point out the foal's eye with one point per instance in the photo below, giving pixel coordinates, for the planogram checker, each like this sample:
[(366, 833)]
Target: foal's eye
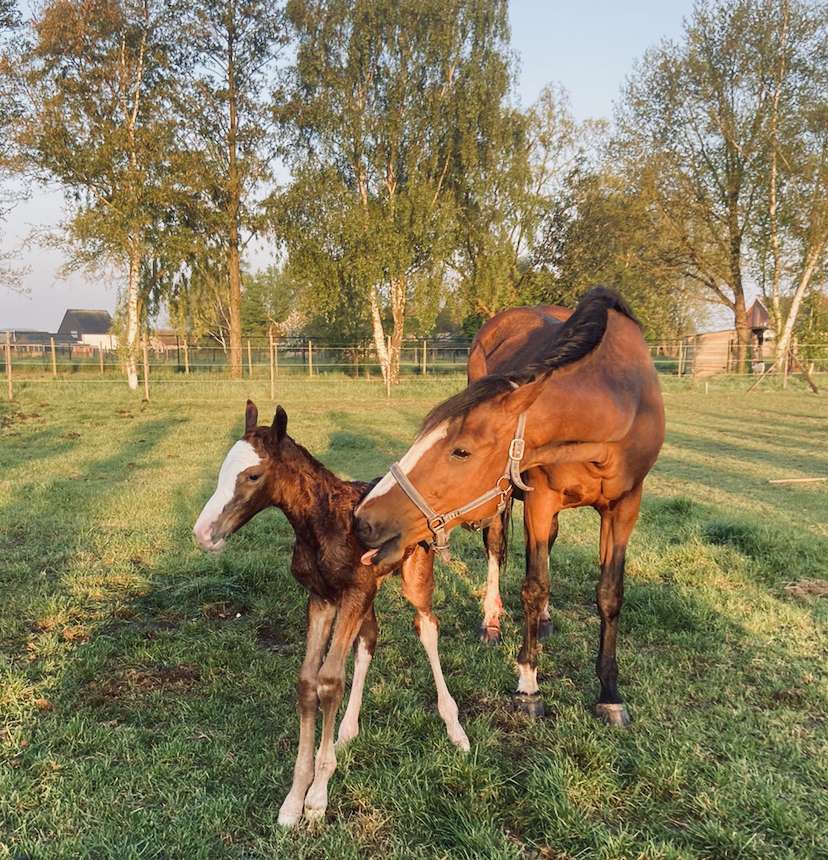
[(460, 454)]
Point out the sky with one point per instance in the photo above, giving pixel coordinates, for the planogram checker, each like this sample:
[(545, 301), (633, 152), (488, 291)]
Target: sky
[(589, 49)]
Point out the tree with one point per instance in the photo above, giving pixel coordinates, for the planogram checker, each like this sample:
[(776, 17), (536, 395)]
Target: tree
[(692, 138), (792, 239), (374, 97), (98, 78), (267, 300), (227, 123)]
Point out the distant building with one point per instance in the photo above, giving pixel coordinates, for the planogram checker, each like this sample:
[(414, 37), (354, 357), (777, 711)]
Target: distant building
[(35, 342), (89, 327), (715, 351)]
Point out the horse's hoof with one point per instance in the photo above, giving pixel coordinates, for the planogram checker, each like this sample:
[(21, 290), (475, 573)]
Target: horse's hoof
[(613, 714), (544, 628), (530, 704), (489, 635)]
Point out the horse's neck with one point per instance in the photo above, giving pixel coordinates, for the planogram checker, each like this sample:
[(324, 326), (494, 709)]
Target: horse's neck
[(304, 496)]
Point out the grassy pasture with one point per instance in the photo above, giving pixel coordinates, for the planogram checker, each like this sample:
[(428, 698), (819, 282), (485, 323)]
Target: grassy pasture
[(147, 689)]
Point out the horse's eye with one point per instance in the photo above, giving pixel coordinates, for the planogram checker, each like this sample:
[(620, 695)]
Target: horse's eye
[(460, 453), (253, 477)]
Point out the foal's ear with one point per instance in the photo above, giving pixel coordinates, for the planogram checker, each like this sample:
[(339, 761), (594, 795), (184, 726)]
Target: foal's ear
[(251, 417), (279, 426)]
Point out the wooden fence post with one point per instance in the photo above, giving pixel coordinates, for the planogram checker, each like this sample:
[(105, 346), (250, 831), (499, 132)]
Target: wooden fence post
[(249, 360), (100, 359), (424, 357), (54, 358), (388, 367), (9, 365), (186, 358), (272, 369), (146, 369), (310, 358)]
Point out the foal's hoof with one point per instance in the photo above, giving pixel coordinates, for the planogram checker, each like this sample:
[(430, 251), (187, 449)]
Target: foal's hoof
[(544, 628), (489, 635), (530, 704), (613, 714)]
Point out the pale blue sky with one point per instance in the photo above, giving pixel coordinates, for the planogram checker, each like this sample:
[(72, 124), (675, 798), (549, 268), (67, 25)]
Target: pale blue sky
[(589, 48)]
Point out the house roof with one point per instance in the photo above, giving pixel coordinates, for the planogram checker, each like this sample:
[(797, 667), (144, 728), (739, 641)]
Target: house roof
[(85, 322), (31, 337)]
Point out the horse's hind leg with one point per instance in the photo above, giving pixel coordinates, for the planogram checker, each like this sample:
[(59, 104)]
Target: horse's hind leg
[(544, 621), (363, 652), (494, 539), (617, 522)]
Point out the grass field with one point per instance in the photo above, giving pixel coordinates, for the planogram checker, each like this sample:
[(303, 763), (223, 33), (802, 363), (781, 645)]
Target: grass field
[(147, 689)]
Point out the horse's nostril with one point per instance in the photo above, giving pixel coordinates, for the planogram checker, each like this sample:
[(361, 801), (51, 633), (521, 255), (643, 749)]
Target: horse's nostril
[(364, 529)]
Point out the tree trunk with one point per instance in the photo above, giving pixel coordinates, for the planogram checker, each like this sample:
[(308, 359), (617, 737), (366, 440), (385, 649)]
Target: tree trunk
[(233, 209), (378, 334), (133, 323), (783, 342), (398, 315), (743, 332)]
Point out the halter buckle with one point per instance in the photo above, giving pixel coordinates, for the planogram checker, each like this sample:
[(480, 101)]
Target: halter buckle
[(517, 449)]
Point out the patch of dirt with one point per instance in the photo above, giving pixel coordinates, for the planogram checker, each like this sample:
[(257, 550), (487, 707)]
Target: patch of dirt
[(808, 588), (134, 683), (124, 413), (72, 434), (224, 610), (272, 638)]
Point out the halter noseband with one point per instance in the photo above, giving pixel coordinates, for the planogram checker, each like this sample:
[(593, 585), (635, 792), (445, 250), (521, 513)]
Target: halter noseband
[(502, 490)]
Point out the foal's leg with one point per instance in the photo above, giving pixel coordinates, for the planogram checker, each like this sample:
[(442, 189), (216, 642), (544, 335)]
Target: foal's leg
[(617, 522), (320, 618), (363, 652), (539, 516), (418, 588), (494, 539), (330, 681)]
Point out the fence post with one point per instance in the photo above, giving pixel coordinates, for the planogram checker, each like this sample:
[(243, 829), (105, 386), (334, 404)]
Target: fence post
[(681, 358), (424, 357), (388, 367), (100, 359), (310, 358), (146, 369), (54, 357), (249, 360), (186, 357), (272, 374), (9, 365)]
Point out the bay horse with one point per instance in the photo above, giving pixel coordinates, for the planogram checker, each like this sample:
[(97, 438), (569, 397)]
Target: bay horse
[(265, 468), (572, 399)]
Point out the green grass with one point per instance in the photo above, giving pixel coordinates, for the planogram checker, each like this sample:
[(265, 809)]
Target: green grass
[(147, 689)]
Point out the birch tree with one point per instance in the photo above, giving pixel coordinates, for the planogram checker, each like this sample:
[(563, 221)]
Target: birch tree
[(98, 80), (228, 125), (374, 99)]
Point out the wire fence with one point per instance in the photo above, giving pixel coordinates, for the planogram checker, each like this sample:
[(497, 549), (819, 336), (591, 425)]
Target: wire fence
[(181, 360)]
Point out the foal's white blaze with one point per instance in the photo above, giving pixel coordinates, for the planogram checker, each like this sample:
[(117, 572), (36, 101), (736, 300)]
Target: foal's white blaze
[(410, 459), (240, 457)]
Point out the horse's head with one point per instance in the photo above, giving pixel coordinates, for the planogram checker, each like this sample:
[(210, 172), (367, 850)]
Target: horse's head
[(246, 481), (460, 453)]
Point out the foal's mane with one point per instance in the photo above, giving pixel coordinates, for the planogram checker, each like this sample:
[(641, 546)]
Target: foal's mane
[(575, 338)]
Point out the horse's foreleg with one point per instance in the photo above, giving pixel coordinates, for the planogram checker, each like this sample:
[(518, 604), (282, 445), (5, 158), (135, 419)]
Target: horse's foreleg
[(363, 652), (320, 618), (329, 687), (418, 588), (540, 517), (617, 523), (545, 621), (494, 539)]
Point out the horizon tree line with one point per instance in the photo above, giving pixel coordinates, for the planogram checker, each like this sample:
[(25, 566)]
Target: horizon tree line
[(379, 148)]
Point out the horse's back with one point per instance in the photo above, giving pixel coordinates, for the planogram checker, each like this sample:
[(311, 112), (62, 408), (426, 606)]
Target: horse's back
[(512, 338)]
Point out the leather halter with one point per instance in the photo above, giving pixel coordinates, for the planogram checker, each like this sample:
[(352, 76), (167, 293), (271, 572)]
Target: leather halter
[(502, 490)]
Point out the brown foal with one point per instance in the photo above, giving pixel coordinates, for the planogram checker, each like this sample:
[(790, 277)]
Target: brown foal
[(267, 468)]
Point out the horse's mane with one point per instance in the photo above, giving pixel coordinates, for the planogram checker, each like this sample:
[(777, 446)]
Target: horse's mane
[(575, 338)]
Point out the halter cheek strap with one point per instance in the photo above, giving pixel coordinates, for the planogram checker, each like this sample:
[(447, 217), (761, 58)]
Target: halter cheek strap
[(502, 489)]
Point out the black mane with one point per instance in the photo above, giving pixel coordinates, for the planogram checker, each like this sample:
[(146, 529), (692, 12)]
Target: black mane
[(577, 337)]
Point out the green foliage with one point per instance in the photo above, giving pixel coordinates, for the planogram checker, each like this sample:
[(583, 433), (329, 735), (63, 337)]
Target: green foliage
[(267, 300)]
